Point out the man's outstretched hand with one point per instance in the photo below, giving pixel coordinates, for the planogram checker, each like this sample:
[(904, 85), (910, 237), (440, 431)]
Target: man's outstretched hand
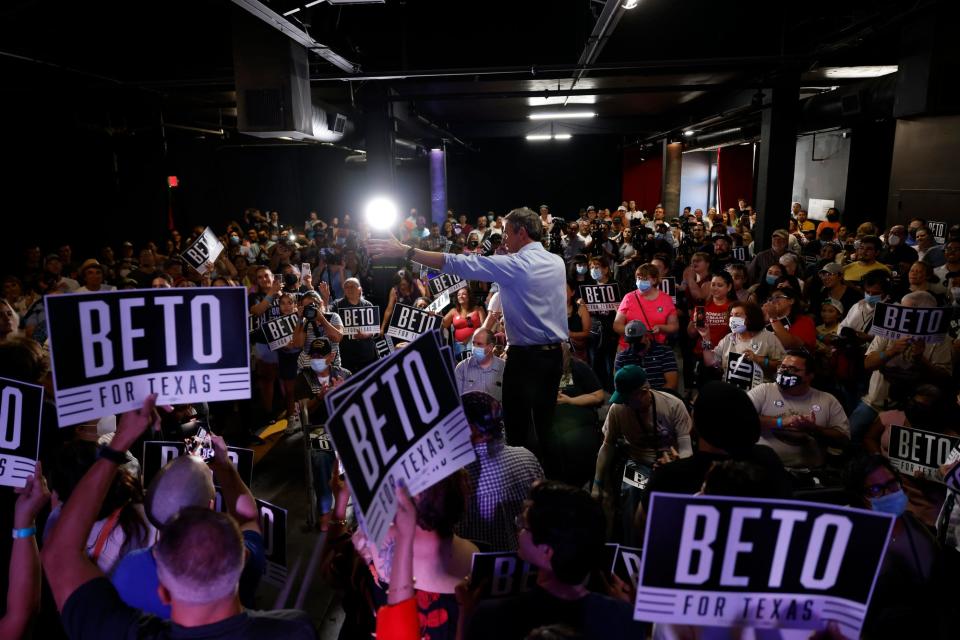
[(386, 247)]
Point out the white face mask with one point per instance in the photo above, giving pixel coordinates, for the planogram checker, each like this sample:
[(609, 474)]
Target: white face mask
[(737, 325), (894, 241), (319, 365)]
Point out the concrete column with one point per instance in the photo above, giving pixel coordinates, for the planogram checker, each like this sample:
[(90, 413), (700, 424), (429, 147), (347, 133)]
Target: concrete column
[(775, 161), (438, 185), (380, 139), (672, 164)]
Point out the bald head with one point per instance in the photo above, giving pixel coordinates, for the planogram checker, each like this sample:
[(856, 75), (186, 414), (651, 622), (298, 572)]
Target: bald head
[(185, 482)]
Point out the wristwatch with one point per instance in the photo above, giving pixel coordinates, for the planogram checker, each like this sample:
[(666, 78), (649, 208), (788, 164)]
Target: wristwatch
[(410, 252), (114, 456)]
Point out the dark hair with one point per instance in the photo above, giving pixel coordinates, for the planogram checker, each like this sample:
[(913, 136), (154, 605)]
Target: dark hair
[(875, 277), (571, 523), (199, 546), (742, 479), (22, 359), (527, 219), (440, 507), (809, 360), (856, 472), (874, 240), (755, 319), (726, 277)]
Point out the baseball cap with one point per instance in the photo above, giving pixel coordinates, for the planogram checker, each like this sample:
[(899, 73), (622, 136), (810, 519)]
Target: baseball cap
[(52, 256), (831, 267), (484, 414), (836, 304), (628, 379), (781, 233), (320, 347), (635, 329), (621, 208), (591, 208), (92, 263)]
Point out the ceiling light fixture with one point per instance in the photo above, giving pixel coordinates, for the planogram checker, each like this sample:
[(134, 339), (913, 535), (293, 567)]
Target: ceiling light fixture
[(554, 100), (688, 132), (873, 71), (310, 4), (539, 136), (561, 115), (562, 136), (291, 12), (631, 4)]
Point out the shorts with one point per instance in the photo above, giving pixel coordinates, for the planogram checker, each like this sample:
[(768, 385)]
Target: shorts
[(263, 354), (288, 364)]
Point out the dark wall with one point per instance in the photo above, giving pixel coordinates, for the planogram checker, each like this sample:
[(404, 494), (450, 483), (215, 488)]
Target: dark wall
[(508, 173), (924, 180)]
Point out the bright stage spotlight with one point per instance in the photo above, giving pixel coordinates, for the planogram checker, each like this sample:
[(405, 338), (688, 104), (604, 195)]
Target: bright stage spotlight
[(381, 214)]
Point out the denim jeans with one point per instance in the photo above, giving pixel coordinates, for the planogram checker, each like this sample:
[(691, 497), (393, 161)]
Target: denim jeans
[(860, 421)]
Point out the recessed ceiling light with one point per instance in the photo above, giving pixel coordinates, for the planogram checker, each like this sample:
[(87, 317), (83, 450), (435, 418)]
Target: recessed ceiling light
[(859, 72), (539, 136), (688, 132), (562, 136), (554, 100), (561, 115)]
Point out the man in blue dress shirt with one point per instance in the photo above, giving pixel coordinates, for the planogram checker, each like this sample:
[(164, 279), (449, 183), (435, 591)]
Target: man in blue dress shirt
[(533, 295)]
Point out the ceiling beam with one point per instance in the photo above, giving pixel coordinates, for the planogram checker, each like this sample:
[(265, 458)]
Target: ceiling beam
[(284, 26), (597, 91)]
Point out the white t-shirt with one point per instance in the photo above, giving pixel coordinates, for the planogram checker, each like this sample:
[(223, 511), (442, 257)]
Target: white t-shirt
[(103, 287), (742, 372), (797, 448)]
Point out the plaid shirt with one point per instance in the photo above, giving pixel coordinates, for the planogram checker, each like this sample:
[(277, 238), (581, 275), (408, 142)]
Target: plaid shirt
[(501, 476)]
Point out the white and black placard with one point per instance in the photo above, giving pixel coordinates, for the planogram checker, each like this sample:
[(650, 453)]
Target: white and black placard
[(110, 350), (279, 331), (409, 323), (635, 476), (893, 321), (203, 252), (915, 450), (360, 320), (383, 347), (401, 418), (626, 564), (746, 562), (159, 453), (600, 297), (938, 230), (501, 574), (668, 285), (446, 283), (273, 527), (439, 303), (21, 407), (739, 254)]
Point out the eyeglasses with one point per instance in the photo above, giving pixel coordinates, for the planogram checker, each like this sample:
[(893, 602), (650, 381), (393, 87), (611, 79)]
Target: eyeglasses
[(520, 522), (777, 298), (877, 490)]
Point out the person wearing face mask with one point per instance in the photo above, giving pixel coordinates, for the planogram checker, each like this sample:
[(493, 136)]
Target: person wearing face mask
[(579, 270), (649, 304), (748, 355), (482, 371), (906, 600), (321, 375), (604, 340), (779, 242), (897, 254), (800, 423), (760, 291)]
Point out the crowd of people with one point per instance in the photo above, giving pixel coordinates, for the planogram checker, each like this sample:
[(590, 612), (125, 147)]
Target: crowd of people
[(723, 370)]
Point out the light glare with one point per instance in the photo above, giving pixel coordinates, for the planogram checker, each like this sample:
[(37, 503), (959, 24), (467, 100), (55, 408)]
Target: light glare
[(381, 213)]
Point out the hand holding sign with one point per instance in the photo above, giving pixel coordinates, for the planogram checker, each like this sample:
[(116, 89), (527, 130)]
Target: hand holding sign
[(133, 424), (31, 499)]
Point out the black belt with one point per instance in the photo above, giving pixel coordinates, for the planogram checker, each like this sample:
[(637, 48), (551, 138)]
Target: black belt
[(535, 347)]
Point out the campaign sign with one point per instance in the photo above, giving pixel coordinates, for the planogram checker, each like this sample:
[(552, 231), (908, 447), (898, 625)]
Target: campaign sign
[(739, 254), (408, 323), (893, 321), (401, 418), (912, 449), (446, 283), (501, 574), (110, 350), (21, 405), (938, 230), (634, 476), (279, 331), (747, 562), (273, 526), (626, 564), (600, 297), (203, 252), (669, 286), (158, 453), (360, 320), (439, 303), (383, 347)]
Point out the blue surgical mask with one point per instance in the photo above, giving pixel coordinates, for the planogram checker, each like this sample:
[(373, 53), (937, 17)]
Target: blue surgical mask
[(581, 269), (643, 285), (479, 353), (771, 280), (234, 240), (595, 273), (319, 365), (872, 299), (893, 503)]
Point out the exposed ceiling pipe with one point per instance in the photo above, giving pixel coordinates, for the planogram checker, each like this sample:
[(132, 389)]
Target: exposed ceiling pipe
[(540, 93), (606, 23), (284, 26)]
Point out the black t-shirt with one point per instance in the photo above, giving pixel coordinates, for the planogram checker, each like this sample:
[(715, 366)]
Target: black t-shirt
[(95, 611), (593, 616), (355, 353)]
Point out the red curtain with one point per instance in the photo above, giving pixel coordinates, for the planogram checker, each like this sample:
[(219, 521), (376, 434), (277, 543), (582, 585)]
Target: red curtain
[(642, 179), (734, 175)]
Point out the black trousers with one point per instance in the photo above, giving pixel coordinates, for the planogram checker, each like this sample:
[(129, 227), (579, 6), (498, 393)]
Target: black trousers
[(531, 380)]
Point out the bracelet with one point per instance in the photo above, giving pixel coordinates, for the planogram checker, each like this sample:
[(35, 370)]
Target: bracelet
[(707, 346), (114, 456), (410, 585), (24, 533), (779, 423)]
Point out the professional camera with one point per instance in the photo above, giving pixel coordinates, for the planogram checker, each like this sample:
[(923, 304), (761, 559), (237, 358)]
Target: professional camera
[(310, 313), (556, 235)]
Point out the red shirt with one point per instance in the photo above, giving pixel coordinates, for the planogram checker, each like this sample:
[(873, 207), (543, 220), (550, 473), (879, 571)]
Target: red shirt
[(717, 323), (804, 328), (651, 312)]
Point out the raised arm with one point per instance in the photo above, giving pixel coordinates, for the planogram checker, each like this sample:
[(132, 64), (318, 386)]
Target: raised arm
[(237, 498)]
